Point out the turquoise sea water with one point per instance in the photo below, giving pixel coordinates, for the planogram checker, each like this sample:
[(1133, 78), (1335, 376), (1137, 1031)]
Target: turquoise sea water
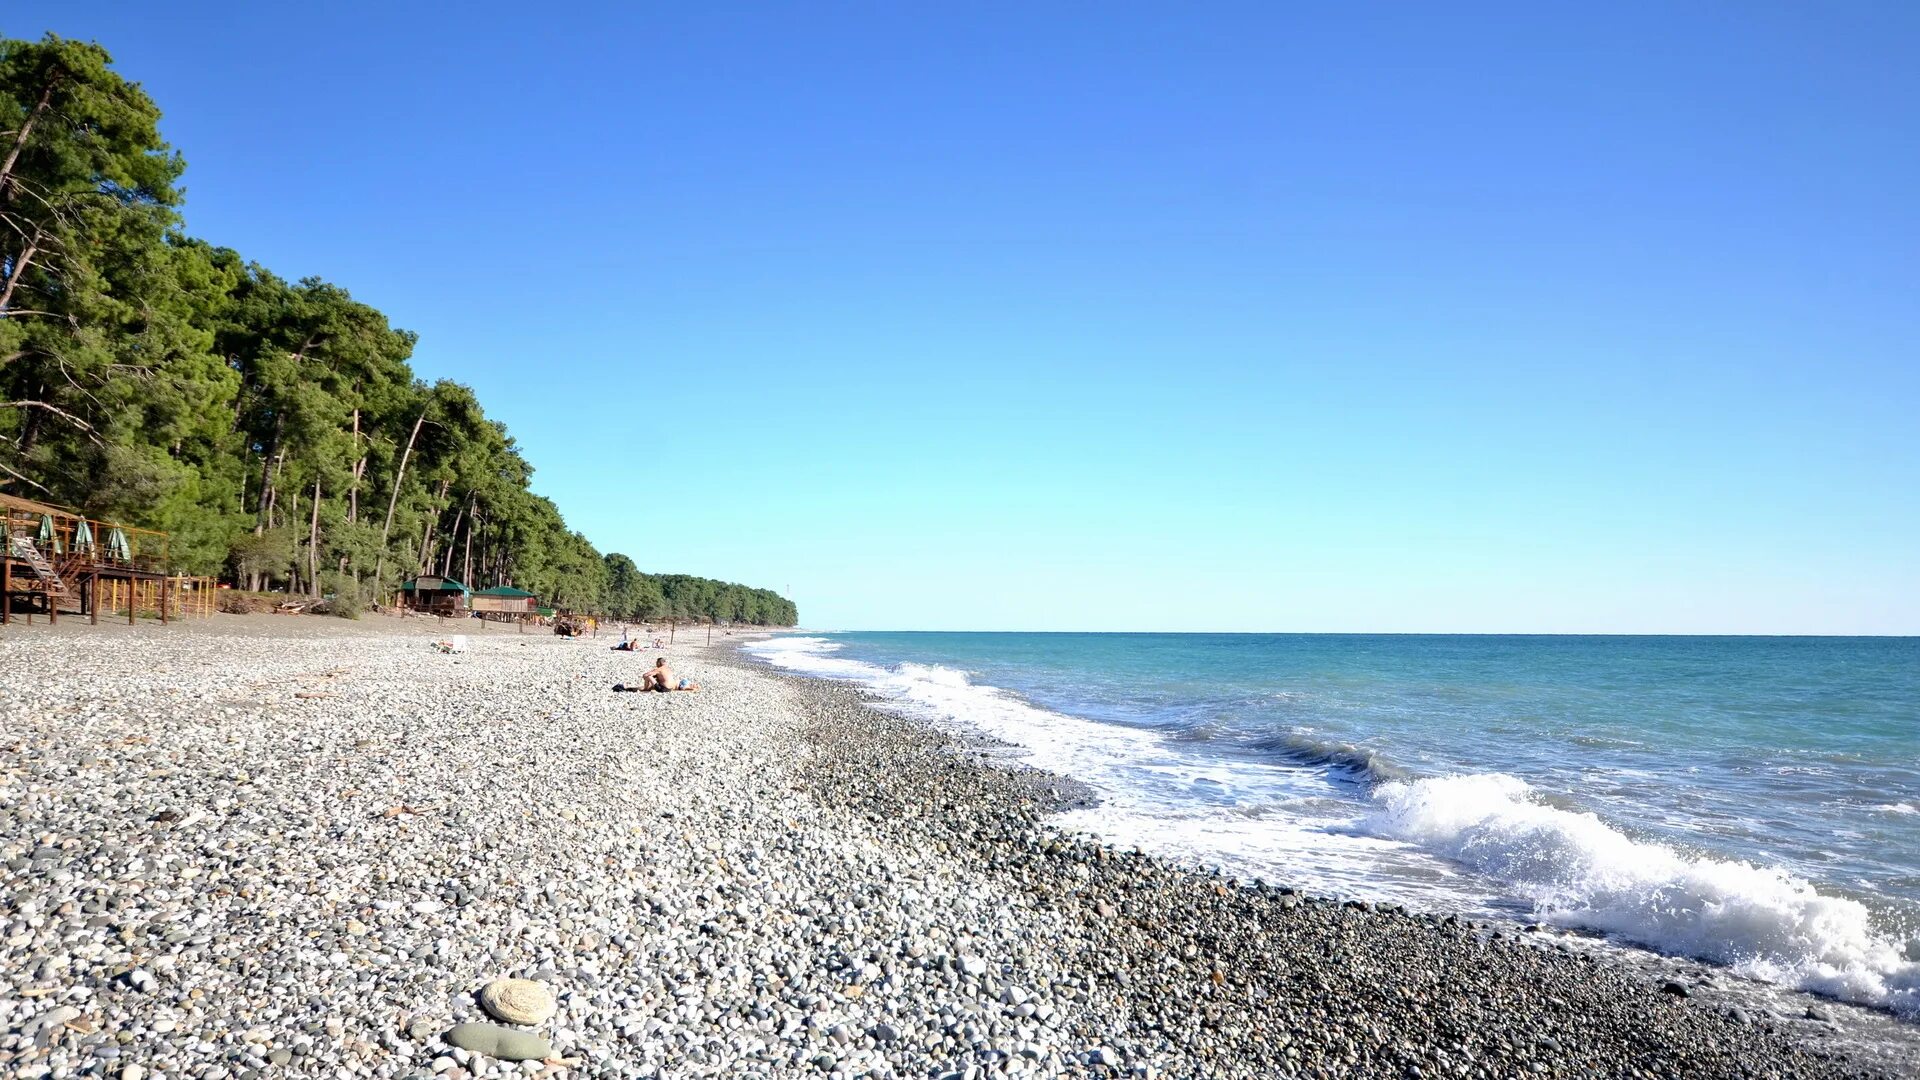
[(1749, 801)]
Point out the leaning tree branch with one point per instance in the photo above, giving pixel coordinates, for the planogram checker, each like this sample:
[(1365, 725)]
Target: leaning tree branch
[(24, 479), (55, 410), (26, 131), (20, 264)]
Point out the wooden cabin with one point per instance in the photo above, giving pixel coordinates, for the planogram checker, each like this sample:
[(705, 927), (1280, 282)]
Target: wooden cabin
[(504, 602), (435, 595), (55, 559)]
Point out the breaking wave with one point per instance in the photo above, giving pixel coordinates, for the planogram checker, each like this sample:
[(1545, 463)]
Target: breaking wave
[(1174, 790), (1358, 761), (1577, 870)]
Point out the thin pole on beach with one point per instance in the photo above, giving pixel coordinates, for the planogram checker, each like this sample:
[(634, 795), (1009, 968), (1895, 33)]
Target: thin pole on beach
[(6, 586)]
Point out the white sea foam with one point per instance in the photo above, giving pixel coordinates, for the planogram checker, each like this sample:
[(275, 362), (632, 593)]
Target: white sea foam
[(812, 656), (1577, 870), (1165, 795), (1295, 823)]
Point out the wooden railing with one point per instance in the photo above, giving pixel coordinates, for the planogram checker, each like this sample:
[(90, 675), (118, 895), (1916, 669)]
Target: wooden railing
[(71, 552)]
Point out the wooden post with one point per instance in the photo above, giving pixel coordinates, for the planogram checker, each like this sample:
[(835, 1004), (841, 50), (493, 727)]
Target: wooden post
[(133, 599), (163, 600), (6, 586), (93, 597)]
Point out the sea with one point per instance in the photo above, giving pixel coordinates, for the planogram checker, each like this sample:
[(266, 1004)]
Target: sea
[(1752, 802)]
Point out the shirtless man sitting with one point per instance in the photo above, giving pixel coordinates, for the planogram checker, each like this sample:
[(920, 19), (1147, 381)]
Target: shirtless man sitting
[(661, 679)]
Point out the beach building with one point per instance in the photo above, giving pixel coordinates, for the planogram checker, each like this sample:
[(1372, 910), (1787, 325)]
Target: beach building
[(504, 602), (434, 594), (54, 560)]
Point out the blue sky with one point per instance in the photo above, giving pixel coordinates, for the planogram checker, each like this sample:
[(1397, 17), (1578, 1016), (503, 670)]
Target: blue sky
[(1228, 317)]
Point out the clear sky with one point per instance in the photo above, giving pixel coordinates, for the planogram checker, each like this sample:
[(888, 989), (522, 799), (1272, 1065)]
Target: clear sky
[(1201, 316)]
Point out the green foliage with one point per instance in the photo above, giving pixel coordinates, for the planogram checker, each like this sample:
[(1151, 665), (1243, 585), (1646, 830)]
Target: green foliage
[(262, 554), (634, 595), (342, 601), (275, 429)]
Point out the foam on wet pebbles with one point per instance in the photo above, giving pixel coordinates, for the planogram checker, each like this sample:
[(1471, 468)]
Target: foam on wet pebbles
[(206, 874)]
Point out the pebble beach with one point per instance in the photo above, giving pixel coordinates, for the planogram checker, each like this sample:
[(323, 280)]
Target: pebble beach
[(256, 846)]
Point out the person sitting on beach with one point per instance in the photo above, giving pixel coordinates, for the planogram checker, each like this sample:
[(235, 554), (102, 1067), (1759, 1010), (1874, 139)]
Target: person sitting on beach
[(661, 679)]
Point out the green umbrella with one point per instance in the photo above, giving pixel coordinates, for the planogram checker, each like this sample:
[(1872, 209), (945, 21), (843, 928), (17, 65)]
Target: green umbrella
[(49, 539), (82, 537), (117, 545)]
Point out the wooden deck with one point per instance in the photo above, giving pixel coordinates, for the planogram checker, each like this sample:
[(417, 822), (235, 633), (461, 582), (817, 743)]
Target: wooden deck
[(55, 560)]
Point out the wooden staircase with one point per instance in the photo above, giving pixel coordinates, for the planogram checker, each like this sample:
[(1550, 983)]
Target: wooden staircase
[(26, 551)]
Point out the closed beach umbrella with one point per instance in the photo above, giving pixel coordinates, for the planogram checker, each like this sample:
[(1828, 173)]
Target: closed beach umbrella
[(117, 545), (49, 539), (82, 537)]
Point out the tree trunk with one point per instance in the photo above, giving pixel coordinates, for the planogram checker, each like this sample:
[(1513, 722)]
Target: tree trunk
[(466, 569), (393, 499), (30, 426), (260, 511), (266, 477), (313, 545), (26, 132), (359, 467), (273, 491), (425, 558), (453, 540), (293, 567), (20, 265)]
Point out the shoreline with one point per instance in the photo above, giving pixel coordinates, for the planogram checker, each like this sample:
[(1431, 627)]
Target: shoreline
[(1872, 1037), (241, 849)]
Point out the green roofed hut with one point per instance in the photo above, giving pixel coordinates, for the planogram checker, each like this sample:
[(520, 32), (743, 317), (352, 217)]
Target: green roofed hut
[(504, 602), (434, 594)]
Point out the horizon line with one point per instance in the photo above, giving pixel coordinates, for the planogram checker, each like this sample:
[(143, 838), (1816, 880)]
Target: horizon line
[(1368, 633)]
